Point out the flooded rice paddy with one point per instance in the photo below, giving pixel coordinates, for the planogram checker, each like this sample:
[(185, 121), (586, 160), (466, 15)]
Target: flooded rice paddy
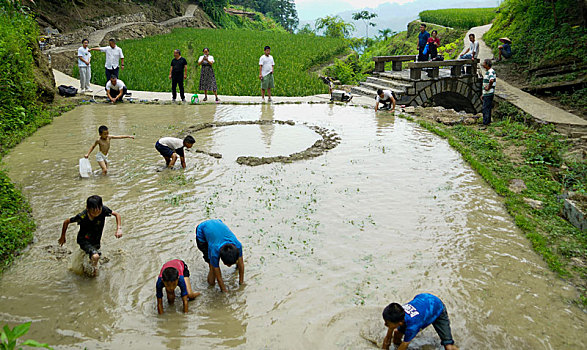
[(392, 211)]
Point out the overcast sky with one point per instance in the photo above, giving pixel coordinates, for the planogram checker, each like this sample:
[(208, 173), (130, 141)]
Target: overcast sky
[(312, 9)]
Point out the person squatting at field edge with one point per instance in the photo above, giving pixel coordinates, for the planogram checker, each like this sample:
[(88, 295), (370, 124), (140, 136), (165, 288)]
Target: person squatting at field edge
[(405, 322), (171, 147), (217, 242), (104, 146), (387, 98), (207, 77), (91, 223), (266, 64), (174, 273), (177, 73), (115, 89), (114, 55)]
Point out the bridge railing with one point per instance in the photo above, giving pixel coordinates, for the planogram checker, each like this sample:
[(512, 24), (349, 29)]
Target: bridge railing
[(396, 62), (456, 66)]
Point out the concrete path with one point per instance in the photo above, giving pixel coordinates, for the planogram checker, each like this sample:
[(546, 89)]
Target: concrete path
[(99, 92), (98, 35), (539, 109)]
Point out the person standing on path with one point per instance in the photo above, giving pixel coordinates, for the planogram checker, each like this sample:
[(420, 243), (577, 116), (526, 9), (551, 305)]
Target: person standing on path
[(207, 77), (114, 55), (422, 41), (489, 80), (433, 45), (85, 70), (177, 73), (266, 64)]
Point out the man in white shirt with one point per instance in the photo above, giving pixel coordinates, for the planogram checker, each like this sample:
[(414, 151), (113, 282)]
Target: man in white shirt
[(386, 97), (85, 70), (115, 89), (473, 51), (266, 64), (113, 56)]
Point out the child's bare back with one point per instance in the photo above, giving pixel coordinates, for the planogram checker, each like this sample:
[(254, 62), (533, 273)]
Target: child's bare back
[(104, 145)]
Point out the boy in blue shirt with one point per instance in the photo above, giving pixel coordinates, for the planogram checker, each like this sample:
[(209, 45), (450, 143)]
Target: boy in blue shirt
[(216, 241), (405, 322)]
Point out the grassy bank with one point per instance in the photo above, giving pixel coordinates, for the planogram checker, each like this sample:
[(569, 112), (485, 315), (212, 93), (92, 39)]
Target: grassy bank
[(20, 115), (237, 65), (511, 148), (459, 18)]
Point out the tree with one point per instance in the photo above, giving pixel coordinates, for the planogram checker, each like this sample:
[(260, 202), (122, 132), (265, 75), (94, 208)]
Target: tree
[(385, 33), (306, 30), (334, 27), (214, 8), (365, 16), (282, 11)]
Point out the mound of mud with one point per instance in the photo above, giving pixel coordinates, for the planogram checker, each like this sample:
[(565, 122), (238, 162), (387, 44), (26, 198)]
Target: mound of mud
[(447, 116), (329, 141)]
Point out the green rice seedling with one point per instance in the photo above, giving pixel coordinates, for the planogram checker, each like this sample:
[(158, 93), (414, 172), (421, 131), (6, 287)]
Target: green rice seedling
[(236, 52), (459, 18)]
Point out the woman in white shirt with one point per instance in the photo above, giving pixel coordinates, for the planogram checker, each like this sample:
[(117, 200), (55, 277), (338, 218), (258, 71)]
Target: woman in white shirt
[(207, 78)]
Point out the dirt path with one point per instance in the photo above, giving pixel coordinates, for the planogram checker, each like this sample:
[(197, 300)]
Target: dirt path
[(97, 36), (539, 109)]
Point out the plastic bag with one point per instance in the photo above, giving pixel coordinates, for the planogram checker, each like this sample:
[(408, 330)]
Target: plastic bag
[(85, 168), (426, 49)]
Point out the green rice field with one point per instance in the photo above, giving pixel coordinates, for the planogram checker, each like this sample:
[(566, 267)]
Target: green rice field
[(236, 52), (459, 18)]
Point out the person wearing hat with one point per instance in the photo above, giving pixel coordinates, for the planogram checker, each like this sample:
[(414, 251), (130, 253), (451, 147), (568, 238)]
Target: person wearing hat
[(505, 50)]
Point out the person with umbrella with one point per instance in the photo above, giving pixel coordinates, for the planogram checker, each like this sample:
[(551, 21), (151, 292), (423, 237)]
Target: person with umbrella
[(505, 50)]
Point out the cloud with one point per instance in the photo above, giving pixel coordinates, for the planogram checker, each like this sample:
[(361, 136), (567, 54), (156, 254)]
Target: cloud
[(354, 3)]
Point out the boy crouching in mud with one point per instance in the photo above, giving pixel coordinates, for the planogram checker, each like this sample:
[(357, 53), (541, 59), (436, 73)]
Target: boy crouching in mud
[(171, 147), (91, 223), (405, 322), (174, 273)]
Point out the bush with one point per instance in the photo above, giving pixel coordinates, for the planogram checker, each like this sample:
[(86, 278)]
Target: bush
[(18, 91), (459, 18), (537, 39), (16, 225)]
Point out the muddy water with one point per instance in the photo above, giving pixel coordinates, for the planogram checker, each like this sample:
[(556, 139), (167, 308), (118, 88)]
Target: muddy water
[(390, 212)]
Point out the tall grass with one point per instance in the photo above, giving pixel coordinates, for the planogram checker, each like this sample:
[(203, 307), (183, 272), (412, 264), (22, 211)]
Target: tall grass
[(459, 18), (236, 52)]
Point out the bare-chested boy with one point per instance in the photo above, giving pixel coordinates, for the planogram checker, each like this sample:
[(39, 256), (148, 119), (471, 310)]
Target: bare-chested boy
[(104, 143)]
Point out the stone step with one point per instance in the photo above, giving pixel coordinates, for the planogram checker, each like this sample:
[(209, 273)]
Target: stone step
[(374, 87), (397, 76), (359, 90), (578, 133), (400, 85)]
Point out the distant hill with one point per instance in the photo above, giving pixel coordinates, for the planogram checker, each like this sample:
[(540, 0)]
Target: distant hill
[(397, 16)]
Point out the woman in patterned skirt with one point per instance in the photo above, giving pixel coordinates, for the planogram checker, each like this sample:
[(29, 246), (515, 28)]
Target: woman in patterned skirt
[(207, 78)]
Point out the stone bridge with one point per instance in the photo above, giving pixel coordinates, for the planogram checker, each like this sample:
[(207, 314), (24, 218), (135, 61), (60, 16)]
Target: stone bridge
[(426, 84)]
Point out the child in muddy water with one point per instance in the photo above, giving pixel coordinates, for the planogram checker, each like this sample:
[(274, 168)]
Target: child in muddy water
[(217, 242), (174, 273), (91, 222), (104, 143), (405, 322), (171, 148)]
